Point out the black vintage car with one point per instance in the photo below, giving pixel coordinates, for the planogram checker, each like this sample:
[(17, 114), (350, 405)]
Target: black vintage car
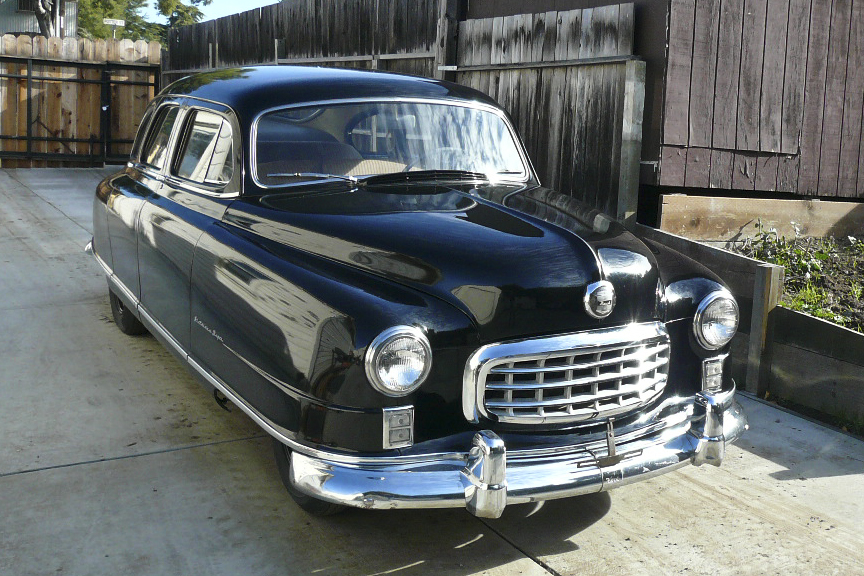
[(367, 265)]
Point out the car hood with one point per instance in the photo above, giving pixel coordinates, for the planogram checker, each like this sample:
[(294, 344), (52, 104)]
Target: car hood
[(516, 261)]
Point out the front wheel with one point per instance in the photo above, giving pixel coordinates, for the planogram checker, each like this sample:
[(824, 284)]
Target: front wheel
[(123, 317), (310, 504)]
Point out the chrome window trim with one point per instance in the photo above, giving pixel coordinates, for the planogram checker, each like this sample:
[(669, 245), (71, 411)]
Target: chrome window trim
[(203, 188), (538, 348), (149, 169), (253, 140)]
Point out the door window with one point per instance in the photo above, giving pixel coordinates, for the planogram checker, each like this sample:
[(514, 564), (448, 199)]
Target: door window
[(156, 150), (207, 155)]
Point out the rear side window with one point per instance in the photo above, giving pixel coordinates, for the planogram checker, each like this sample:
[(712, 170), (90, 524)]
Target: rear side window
[(207, 153), (156, 149)]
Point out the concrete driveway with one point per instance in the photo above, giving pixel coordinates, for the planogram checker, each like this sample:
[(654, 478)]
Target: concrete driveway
[(114, 460)]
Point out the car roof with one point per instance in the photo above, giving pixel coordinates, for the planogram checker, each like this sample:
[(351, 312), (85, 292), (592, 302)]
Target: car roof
[(250, 91)]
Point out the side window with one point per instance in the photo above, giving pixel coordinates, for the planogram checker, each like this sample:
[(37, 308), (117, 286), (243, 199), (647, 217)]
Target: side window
[(143, 131), (156, 149), (207, 153)]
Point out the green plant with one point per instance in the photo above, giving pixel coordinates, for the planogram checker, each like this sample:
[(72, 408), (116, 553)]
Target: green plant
[(857, 289), (803, 258)]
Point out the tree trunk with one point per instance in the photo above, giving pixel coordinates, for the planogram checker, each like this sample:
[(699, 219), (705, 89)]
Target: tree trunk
[(48, 16)]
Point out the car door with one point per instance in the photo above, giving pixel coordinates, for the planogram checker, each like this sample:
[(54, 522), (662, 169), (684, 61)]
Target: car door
[(127, 192), (199, 184)]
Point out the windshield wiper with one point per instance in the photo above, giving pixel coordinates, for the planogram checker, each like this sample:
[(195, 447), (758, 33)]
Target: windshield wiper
[(316, 175), (397, 177)]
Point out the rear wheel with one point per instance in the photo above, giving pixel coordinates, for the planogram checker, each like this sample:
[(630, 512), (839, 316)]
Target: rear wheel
[(124, 318), (310, 504)]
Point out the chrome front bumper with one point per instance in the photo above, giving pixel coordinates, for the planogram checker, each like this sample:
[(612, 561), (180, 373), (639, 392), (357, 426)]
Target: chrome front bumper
[(486, 478)]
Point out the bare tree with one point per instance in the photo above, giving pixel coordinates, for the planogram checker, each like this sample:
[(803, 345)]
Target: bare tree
[(48, 16)]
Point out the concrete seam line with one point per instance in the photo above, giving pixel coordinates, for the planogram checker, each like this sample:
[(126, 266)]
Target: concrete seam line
[(128, 456), (524, 552)]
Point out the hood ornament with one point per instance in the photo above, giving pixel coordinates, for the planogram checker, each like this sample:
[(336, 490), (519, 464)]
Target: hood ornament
[(599, 299)]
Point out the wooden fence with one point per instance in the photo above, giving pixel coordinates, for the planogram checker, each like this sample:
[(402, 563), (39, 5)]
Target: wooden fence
[(69, 101), (574, 91), (567, 78), (395, 35), (765, 95)]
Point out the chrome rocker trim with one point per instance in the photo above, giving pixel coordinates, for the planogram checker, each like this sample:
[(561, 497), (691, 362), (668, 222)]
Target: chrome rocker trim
[(484, 480)]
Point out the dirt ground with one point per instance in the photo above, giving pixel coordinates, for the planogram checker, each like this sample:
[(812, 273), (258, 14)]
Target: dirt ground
[(824, 276)]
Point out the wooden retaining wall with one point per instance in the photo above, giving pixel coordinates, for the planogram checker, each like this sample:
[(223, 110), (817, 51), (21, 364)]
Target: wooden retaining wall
[(765, 95), (61, 114)]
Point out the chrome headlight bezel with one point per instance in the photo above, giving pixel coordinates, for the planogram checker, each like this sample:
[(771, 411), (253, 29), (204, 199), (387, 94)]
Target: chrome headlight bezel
[(712, 299), (381, 343)]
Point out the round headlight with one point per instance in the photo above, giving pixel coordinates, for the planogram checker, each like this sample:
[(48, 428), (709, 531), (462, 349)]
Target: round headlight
[(398, 360), (716, 320)]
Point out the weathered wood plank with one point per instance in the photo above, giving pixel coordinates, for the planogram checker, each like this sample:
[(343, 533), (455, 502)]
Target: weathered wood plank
[(767, 166), (565, 31), (673, 166), (703, 75), (744, 171), (633, 107), (68, 100), (558, 94), (550, 36), (10, 101), (793, 84), (728, 74), (771, 115), (787, 173), (750, 88), (604, 30), (626, 29), (498, 40), (677, 102), (814, 99), (850, 141), (708, 218), (510, 49), (722, 162), (835, 89), (465, 43), (698, 170)]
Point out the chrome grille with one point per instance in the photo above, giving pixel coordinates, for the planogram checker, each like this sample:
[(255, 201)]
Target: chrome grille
[(571, 378)]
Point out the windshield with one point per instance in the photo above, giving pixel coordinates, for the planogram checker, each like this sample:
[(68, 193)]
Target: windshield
[(358, 140)]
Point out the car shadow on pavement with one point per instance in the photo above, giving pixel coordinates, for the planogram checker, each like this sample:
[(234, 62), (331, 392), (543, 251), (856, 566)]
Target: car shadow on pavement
[(451, 541), (804, 449)]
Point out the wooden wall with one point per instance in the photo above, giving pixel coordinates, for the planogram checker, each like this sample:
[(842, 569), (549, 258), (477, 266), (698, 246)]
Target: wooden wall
[(396, 35), (567, 78), (563, 76), (765, 95), (66, 100)]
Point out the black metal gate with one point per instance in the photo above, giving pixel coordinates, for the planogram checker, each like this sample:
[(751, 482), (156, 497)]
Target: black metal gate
[(44, 130)]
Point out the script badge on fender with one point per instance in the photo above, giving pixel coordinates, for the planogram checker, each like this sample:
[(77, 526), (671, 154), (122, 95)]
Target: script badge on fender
[(599, 299)]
